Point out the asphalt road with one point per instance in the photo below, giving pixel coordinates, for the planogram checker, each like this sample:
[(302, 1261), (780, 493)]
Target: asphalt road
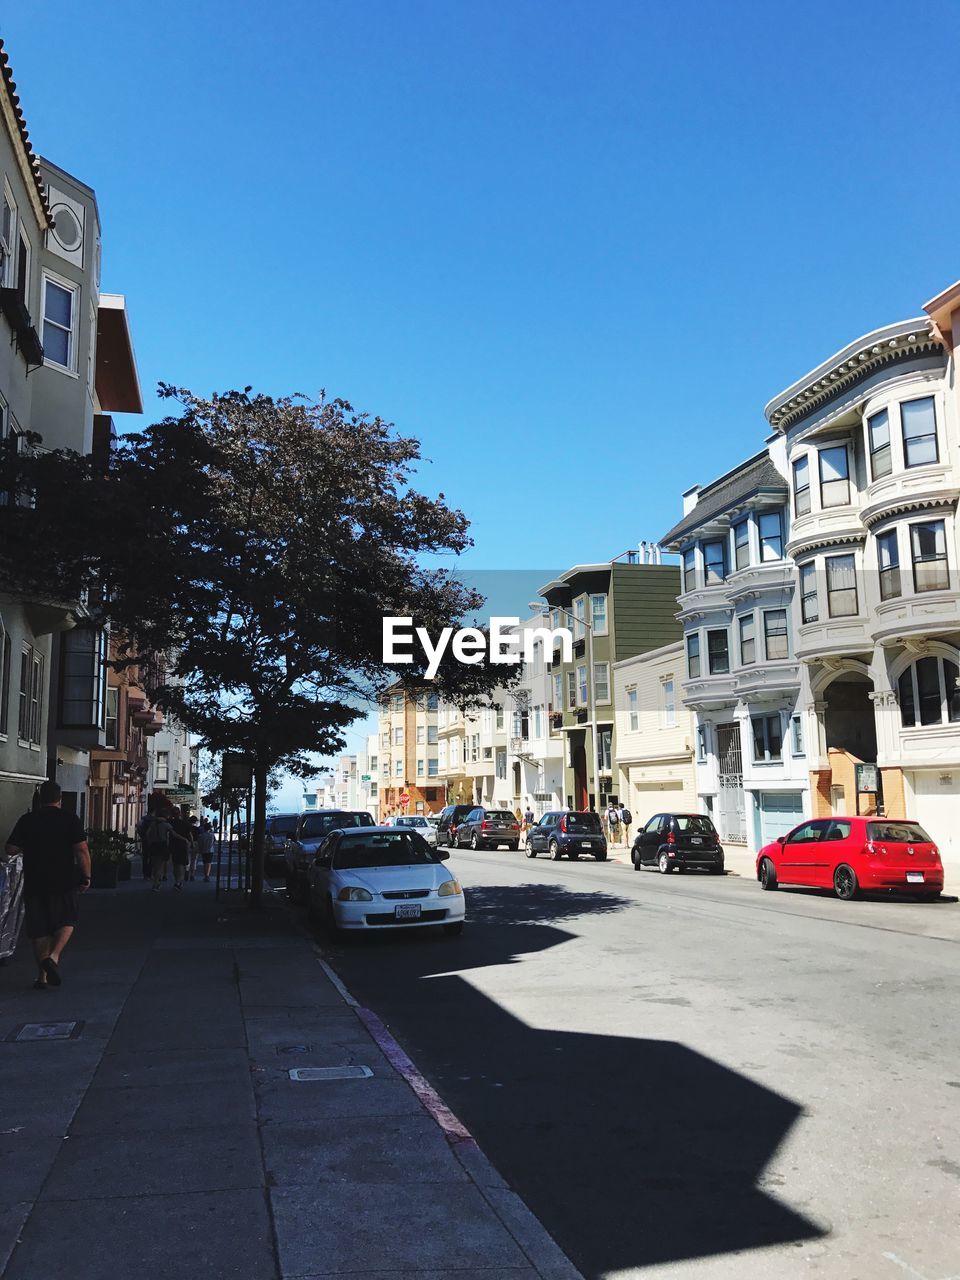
[(684, 1076)]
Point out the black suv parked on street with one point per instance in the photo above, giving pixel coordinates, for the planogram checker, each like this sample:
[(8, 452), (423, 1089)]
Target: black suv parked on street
[(488, 829), (301, 848), (450, 819), (280, 826), (563, 832), (678, 840)]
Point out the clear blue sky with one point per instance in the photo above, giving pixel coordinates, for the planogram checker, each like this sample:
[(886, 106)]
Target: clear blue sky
[(574, 247)]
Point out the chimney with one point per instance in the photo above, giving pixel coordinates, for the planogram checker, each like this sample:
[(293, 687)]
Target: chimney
[(690, 499), (643, 551)]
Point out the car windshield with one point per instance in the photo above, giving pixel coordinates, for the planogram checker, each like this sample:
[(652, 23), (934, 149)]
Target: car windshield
[(583, 821), (284, 826), (412, 822), (383, 849), (499, 815), (694, 823), (319, 824), (897, 833)]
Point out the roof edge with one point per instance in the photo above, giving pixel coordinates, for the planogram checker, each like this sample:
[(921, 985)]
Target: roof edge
[(26, 156)]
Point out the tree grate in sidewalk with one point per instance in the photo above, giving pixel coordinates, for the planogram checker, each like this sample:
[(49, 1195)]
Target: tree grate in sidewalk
[(45, 1031), (330, 1073)]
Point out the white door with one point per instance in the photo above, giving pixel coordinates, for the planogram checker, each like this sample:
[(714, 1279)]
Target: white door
[(780, 812), (937, 808)]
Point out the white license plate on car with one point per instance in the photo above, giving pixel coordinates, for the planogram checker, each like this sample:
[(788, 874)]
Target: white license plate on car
[(409, 912), (695, 840), (586, 844), (914, 877)]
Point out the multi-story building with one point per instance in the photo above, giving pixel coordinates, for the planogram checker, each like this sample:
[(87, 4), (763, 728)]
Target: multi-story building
[(873, 454), (655, 734), (616, 610), (368, 777), (536, 746), (172, 755), (409, 753), (319, 795), (66, 365), (741, 678)]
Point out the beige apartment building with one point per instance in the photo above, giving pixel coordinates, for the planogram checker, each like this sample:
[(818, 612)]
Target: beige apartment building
[(409, 753)]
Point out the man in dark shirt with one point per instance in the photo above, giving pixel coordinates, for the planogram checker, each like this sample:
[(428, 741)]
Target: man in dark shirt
[(56, 870)]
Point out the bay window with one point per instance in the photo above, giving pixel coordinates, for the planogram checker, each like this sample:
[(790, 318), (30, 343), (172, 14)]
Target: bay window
[(888, 557), (748, 640), (582, 685), (918, 421), (741, 545), (771, 535), (693, 657), (718, 652), (714, 562), (928, 694), (928, 545), (775, 638), (598, 614), (809, 603), (834, 476), (801, 487), (878, 433), (841, 586), (689, 569)]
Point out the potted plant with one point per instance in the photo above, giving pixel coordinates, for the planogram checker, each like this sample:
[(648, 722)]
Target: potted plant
[(109, 853)]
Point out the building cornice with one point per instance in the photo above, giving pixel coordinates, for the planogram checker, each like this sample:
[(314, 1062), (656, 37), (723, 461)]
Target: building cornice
[(817, 542), (855, 362), (945, 500)]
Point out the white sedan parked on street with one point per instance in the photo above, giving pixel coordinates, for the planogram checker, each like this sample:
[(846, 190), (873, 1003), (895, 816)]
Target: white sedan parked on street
[(383, 878), (416, 822)]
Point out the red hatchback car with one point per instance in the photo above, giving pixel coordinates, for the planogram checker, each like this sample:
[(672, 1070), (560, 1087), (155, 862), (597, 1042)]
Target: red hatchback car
[(848, 855)]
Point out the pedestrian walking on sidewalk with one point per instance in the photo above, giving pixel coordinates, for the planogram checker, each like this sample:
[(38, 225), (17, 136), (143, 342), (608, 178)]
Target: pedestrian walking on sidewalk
[(205, 841), (626, 821), (613, 824), (56, 870), (157, 838), (181, 843), (194, 848)]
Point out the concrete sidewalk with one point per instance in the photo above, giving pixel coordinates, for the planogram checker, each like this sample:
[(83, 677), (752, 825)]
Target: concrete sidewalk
[(165, 1137)]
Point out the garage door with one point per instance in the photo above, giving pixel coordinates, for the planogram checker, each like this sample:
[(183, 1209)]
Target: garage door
[(779, 812), (937, 808)]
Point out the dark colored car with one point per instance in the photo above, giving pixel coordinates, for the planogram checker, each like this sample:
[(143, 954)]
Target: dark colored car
[(488, 829), (563, 833), (450, 818), (677, 841), (312, 829), (280, 827)]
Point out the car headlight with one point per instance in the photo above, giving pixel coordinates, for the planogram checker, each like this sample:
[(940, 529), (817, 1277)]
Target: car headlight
[(449, 889), (353, 893)]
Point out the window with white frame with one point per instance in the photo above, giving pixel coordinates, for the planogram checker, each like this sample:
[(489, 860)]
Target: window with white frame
[(748, 640), (801, 487), (796, 729), (454, 753), (598, 614), (431, 735), (841, 586), (928, 547), (538, 721), (488, 752), (718, 651), (775, 638), (714, 561), (693, 656), (582, 688), (928, 694), (918, 420), (398, 737), (571, 690), (689, 569), (888, 560), (486, 720), (741, 544), (8, 236), (420, 768), (500, 765), (579, 614), (701, 742), (442, 754), (474, 747), (398, 769), (878, 438), (767, 739), (161, 768), (385, 738), (433, 768), (633, 710), (834, 476), (385, 770), (421, 734), (668, 702), (59, 323), (398, 702), (601, 681), (557, 691), (770, 525), (605, 750), (809, 603)]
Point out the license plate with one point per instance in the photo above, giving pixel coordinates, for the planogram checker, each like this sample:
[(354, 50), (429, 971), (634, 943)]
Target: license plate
[(914, 877), (695, 840), (586, 844), (409, 912)]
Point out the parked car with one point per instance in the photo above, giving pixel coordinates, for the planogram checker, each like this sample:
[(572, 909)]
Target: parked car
[(301, 848), (678, 841), (488, 829), (416, 822), (383, 878), (280, 827), (567, 833), (450, 818), (849, 855)]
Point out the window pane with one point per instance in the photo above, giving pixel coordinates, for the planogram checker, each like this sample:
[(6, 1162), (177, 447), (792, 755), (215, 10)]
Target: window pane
[(748, 647), (809, 606), (834, 481), (771, 536), (888, 556), (58, 305), (928, 690), (713, 561), (841, 586), (717, 651), (693, 656), (951, 672), (908, 713), (599, 612), (919, 432), (689, 571), (774, 738), (741, 542), (775, 634), (929, 545), (878, 429), (56, 344), (801, 486)]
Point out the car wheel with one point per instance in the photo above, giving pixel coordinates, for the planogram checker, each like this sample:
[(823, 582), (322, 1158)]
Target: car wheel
[(601, 857), (474, 842), (845, 884), (531, 853), (717, 871), (767, 874), (453, 930), (555, 851), (635, 859), (663, 864)]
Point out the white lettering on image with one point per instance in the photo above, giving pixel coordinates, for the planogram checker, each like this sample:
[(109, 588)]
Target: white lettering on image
[(469, 644)]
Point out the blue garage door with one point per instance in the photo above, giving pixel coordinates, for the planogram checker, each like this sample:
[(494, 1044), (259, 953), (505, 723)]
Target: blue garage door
[(779, 812)]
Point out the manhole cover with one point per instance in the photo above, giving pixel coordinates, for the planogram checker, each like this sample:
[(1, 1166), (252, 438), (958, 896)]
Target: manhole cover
[(330, 1073), (46, 1031), (293, 1048)]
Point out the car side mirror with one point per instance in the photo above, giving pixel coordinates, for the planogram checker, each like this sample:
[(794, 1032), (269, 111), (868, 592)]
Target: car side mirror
[(781, 839), (443, 855)]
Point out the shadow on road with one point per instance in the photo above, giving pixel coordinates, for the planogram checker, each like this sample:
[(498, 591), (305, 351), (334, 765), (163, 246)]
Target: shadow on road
[(632, 1152)]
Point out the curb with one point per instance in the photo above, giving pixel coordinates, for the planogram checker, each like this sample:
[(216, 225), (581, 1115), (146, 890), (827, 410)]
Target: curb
[(545, 1255)]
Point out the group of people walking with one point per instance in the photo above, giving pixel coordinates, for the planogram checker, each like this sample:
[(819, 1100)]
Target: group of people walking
[(168, 839), (616, 821)]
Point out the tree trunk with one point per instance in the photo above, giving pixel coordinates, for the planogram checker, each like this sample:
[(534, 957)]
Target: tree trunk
[(260, 771)]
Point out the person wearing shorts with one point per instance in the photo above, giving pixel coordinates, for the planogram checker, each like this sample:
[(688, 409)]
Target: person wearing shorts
[(56, 870)]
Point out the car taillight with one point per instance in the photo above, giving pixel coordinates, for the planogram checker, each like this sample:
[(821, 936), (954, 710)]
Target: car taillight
[(563, 825), (671, 838), (484, 825), (515, 827), (872, 847)]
